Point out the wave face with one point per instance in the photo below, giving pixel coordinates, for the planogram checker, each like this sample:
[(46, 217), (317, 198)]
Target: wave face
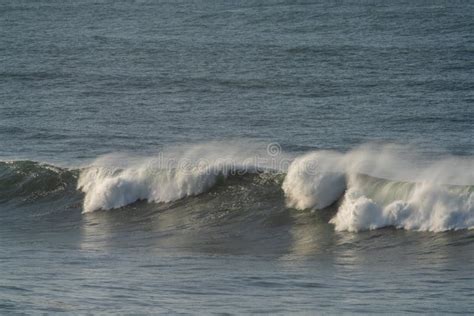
[(367, 188), (28, 181)]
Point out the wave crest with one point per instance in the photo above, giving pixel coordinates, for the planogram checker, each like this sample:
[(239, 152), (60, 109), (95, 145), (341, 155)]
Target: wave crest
[(315, 180), (115, 181), (109, 188)]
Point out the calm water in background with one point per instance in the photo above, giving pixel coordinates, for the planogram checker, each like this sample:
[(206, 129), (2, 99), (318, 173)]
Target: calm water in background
[(86, 78)]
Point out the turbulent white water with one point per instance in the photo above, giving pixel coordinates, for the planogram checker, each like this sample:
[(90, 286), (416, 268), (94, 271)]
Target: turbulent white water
[(424, 206), (108, 188), (114, 181), (315, 180), (374, 186), (411, 195)]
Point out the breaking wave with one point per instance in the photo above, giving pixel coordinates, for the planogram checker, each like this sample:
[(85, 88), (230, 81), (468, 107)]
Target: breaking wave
[(114, 181), (369, 188), (379, 187), (374, 203)]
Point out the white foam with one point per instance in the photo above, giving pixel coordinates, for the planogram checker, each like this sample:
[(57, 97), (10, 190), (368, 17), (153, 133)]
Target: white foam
[(315, 180), (428, 207), (117, 180), (107, 188), (412, 193)]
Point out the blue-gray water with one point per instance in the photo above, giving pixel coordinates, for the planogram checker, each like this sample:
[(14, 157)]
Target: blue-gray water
[(136, 80)]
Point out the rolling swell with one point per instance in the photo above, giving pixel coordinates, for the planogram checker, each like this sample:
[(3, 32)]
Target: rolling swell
[(336, 185), (29, 181)]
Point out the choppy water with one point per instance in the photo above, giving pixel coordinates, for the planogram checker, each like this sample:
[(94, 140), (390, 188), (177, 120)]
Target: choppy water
[(204, 157)]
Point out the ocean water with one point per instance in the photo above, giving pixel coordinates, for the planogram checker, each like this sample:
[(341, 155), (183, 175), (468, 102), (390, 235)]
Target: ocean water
[(204, 157)]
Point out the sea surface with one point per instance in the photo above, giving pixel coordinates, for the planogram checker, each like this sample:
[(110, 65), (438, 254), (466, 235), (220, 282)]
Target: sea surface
[(236, 157)]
